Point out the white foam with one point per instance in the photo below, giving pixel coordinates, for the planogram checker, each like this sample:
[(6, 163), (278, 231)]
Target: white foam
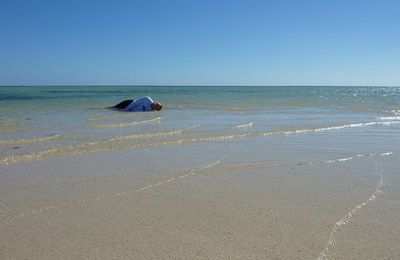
[(245, 125), (356, 125), (330, 161), (330, 246), (344, 126), (395, 112), (384, 118), (116, 144), (108, 196), (331, 128), (158, 134), (345, 159), (389, 123), (186, 174), (357, 156), (29, 140)]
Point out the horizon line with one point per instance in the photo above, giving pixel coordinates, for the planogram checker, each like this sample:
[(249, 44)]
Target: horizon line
[(167, 85)]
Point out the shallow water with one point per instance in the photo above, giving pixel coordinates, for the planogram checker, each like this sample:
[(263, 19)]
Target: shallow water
[(36, 120), (305, 163)]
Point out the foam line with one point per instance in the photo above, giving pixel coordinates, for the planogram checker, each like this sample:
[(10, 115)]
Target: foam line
[(29, 140), (188, 174), (356, 125), (108, 196), (89, 180), (331, 244), (303, 163), (395, 112), (119, 143), (385, 118), (136, 136), (245, 125), (96, 146)]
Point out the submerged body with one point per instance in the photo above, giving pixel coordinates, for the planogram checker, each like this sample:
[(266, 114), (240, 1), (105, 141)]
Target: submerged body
[(144, 104)]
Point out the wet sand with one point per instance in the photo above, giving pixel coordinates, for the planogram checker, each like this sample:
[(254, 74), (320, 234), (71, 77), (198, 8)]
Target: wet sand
[(166, 203)]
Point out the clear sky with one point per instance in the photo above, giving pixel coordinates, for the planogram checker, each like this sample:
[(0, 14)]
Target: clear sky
[(200, 42)]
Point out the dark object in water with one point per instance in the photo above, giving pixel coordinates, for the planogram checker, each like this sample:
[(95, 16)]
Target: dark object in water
[(123, 104)]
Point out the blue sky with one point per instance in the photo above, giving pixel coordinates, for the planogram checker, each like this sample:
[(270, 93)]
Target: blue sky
[(200, 42)]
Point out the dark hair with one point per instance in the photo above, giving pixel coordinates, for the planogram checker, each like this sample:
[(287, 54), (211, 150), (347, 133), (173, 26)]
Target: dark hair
[(156, 105)]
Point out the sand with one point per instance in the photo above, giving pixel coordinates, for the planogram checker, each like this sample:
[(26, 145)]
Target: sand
[(183, 206)]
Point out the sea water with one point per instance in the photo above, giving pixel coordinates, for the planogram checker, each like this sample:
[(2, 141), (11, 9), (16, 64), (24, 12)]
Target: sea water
[(268, 172), (41, 122)]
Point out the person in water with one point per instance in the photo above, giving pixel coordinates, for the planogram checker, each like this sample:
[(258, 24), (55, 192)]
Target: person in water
[(144, 104)]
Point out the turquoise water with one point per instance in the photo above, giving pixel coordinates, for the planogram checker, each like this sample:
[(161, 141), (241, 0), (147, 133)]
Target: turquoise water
[(44, 122), (351, 98)]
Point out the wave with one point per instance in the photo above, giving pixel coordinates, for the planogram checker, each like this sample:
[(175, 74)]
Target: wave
[(29, 140), (136, 136), (226, 166), (331, 128), (356, 125), (263, 164), (390, 123), (245, 125), (345, 159), (122, 142), (113, 144), (395, 112), (384, 118), (126, 124), (357, 156)]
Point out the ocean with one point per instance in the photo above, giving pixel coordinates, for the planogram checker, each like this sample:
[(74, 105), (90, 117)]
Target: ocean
[(233, 170), (39, 119)]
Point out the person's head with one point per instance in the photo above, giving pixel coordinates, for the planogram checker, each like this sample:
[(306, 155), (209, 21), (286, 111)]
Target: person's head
[(156, 106)]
